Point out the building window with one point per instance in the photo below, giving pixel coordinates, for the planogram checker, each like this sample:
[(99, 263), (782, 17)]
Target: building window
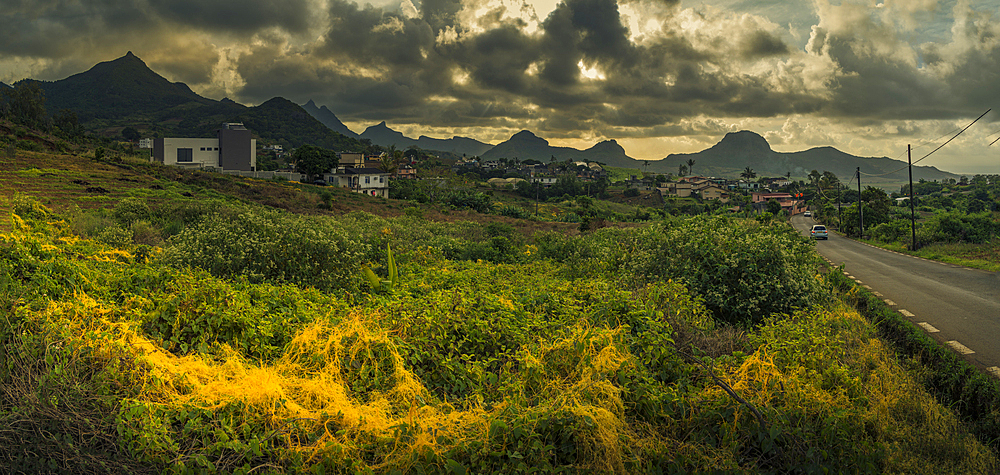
[(368, 180), (185, 155), (203, 149)]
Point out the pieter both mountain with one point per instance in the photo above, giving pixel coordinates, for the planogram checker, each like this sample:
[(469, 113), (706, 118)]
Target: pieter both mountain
[(125, 92)]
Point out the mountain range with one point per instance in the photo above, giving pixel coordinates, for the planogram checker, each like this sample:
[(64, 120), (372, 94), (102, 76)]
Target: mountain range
[(526, 145), (126, 92), (738, 150)]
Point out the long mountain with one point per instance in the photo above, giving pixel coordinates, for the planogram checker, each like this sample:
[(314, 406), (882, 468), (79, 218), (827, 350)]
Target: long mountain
[(526, 145), (738, 150), (381, 134)]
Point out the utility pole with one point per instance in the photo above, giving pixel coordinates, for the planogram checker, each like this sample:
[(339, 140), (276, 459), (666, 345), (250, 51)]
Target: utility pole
[(913, 217), (861, 213), (840, 223), (536, 198)]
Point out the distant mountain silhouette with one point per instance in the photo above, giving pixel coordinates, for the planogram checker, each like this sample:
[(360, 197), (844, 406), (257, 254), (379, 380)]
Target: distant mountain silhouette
[(122, 88), (328, 118), (738, 150), (125, 92), (282, 121), (380, 134), (526, 145)]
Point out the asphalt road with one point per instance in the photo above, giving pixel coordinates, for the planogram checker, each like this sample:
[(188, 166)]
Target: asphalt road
[(957, 306)]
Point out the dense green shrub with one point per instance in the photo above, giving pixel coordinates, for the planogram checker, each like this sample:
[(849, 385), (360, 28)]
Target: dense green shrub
[(130, 210), (893, 231), (262, 245), (745, 270), (952, 226)]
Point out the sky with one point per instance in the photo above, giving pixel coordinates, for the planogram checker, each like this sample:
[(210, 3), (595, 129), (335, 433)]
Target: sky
[(659, 76)]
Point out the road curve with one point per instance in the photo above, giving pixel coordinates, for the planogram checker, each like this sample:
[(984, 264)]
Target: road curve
[(958, 306)]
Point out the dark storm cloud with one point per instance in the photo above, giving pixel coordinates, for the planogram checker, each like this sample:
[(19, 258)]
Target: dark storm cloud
[(58, 28), (873, 86), (762, 44), (499, 59), (240, 17)]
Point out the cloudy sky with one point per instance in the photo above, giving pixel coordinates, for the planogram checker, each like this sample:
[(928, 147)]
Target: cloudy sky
[(659, 76)]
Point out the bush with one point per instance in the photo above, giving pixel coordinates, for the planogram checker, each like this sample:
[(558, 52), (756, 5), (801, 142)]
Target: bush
[(131, 210), (630, 192), (744, 270), (957, 227), (894, 231), (263, 245), (513, 212)]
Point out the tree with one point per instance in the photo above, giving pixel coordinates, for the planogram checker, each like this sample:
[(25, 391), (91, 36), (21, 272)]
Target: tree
[(773, 207), (311, 160), (814, 177), (67, 122), (130, 134), (690, 163), (25, 104), (682, 170), (748, 174), (389, 162)]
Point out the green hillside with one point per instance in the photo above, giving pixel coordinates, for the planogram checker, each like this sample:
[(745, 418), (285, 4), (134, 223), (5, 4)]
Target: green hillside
[(159, 320)]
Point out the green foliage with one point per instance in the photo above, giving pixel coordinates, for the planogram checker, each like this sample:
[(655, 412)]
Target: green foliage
[(130, 210), (313, 161), (262, 245), (392, 278), (24, 104), (974, 228), (577, 358), (630, 192), (512, 211)]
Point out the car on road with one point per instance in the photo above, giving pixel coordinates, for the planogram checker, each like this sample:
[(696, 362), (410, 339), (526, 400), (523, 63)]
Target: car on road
[(808, 214), (819, 232)]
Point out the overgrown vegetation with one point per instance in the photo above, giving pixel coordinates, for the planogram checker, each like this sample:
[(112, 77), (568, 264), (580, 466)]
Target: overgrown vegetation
[(491, 353)]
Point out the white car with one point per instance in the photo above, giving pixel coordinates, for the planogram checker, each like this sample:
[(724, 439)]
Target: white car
[(819, 232), (808, 214)]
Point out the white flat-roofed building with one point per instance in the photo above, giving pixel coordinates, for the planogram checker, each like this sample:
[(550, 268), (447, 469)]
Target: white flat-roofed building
[(233, 149)]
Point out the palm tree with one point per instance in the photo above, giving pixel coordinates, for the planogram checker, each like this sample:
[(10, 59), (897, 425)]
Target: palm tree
[(389, 162), (682, 170), (814, 177), (691, 166), (748, 174)]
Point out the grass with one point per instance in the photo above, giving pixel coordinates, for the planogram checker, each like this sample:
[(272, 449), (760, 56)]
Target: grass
[(977, 256)]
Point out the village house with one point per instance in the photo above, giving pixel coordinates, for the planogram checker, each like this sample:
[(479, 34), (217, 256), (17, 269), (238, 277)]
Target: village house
[(367, 181), (788, 203)]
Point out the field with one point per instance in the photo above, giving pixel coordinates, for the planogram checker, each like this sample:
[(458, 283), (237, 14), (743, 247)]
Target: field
[(234, 331)]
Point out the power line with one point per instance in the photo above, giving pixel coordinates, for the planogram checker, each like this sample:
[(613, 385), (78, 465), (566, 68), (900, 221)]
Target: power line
[(932, 151)]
